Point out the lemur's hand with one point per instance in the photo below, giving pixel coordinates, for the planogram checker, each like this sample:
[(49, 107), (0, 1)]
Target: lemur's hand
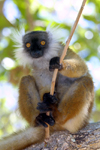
[(55, 64), (48, 102), (45, 106), (43, 119)]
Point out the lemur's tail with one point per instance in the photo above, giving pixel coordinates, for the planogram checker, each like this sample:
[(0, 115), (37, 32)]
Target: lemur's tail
[(22, 139)]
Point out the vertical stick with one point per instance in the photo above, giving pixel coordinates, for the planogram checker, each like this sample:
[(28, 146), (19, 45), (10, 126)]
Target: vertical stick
[(61, 59)]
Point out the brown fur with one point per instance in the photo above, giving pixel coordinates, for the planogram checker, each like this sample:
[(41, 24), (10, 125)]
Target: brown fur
[(74, 88), (75, 93)]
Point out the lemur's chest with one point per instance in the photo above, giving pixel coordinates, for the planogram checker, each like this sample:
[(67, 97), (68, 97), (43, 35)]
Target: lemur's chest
[(43, 81), (43, 78)]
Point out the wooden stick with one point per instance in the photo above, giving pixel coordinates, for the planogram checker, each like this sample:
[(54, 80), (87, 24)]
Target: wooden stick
[(61, 59)]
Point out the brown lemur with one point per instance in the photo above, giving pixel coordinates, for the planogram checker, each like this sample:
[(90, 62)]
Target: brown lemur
[(72, 102)]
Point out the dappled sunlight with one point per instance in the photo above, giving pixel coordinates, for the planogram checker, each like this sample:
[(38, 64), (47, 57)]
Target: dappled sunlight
[(11, 11), (8, 63), (8, 92), (6, 32), (88, 34), (94, 67)]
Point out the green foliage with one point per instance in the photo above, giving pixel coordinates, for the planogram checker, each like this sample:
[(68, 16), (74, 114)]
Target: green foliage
[(98, 99), (5, 124), (35, 15)]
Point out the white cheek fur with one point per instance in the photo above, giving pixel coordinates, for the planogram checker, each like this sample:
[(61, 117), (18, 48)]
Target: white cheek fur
[(23, 57)]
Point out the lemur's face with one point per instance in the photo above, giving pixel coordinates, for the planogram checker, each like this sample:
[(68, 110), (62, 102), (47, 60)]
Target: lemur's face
[(37, 46), (35, 43)]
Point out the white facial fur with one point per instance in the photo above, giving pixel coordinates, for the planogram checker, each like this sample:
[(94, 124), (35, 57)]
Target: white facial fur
[(54, 36)]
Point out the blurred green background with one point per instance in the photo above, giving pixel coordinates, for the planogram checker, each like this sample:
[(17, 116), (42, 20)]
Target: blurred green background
[(37, 15)]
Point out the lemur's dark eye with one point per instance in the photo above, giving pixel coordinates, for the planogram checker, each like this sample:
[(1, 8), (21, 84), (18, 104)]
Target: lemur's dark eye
[(28, 45), (42, 42)]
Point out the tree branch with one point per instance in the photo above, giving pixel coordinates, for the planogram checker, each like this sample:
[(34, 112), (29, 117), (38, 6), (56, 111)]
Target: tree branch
[(86, 139), (29, 16)]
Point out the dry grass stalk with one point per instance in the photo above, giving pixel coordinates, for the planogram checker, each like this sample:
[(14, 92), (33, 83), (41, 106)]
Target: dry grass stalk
[(61, 59)]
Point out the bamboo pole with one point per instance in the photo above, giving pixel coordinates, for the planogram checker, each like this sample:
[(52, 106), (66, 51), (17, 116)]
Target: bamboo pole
[(61, 59)]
